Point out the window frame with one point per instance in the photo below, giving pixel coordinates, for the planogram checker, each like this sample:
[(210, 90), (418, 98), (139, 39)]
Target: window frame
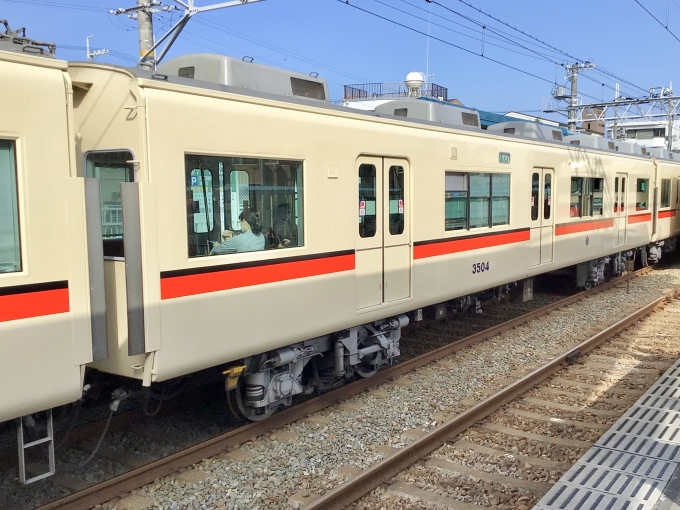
[(469, 197), (225, 216), (115, 247), (586, 196), (15, 194), (637, 191), (664, 182)]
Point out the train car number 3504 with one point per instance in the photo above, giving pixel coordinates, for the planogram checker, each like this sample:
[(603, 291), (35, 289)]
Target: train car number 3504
[(480, 267)]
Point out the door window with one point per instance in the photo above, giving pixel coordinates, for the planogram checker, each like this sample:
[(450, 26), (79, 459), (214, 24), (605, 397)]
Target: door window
[(396, 181), (547, 196), (111, 168), (534, 196), (367, 200)]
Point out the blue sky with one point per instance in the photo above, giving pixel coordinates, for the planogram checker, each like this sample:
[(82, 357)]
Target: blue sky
[(382, 40)]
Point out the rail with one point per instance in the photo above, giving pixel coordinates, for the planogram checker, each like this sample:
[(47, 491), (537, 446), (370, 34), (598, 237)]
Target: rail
[(369, 479), (134, 479)]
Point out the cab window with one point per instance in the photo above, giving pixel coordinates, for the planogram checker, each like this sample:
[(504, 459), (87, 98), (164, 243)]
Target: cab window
[(237, 205), (111, 168), (10, 248)]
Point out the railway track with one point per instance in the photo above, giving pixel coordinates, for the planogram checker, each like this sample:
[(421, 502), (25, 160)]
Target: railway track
[(143, 474), (508, 450)]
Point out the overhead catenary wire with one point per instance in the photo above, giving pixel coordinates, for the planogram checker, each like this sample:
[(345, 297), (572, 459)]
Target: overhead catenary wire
[(449, 43), (658, 20), (474, 37), (506, 37), (562, 52), (62, 5), (278, 49)]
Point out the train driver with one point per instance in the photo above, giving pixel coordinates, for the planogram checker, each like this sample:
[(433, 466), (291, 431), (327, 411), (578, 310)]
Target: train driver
[(250, 238)]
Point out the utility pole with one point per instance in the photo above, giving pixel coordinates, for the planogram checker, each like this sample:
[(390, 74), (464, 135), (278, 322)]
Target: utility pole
[(573, 99), (143, 12), (671, 107), (95, 53), (145, 27)]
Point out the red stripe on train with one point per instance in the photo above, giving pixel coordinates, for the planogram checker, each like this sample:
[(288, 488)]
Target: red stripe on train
[(190, 285), (583, 226), (33, 304), (422, 251), (639, 218), (667, 214)]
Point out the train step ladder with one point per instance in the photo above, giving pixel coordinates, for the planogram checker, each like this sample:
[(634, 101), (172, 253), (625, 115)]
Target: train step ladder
[(23, 446)]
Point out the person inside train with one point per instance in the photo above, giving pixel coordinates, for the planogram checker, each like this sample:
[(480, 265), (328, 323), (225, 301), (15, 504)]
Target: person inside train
[(250, 238), (285, 229)]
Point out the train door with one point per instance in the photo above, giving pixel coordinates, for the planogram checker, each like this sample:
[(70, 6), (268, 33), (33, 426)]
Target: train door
[(542, 216), (620, 212), (383, 253)]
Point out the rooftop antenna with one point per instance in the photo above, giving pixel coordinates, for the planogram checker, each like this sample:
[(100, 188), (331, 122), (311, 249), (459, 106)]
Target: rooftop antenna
[(427, 57), (92, 54), (144, 13)]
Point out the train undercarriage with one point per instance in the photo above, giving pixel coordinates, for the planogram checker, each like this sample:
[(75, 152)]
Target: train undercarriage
[(266, 382), (262, 384)]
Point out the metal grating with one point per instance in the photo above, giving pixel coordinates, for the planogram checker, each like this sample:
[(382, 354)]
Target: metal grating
[(630, 465)]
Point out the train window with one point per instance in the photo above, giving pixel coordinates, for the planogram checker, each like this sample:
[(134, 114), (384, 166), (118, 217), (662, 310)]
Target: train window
[(10, 248), (480, 199), (534, 196), (616, 194), (455, 201), (576, 197), (396, 200), (623, 194), (642, 195), (237, 205), (596, 188), (500, 199), (367, 200), (547, 196), (111, 168), (665, 192)]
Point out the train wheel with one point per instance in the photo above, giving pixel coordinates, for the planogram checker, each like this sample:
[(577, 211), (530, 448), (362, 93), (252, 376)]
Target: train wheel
[(239, 409)]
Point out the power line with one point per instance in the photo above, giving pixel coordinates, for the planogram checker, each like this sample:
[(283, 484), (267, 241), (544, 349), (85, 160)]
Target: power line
[(482, 25), (539, 56), (62, 5), (346, 2), (657, 20), (278, 49), (602, 70)]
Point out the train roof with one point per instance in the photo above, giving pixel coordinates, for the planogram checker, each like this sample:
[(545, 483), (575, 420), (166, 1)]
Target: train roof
[(231, 76), (245, 74), (17, 42)]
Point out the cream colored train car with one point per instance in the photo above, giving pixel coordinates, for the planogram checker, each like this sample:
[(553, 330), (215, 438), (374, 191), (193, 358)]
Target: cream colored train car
[(344, 222), (46, 307)]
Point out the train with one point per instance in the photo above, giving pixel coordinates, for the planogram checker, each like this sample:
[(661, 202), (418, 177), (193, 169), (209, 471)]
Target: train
[(220, 215)]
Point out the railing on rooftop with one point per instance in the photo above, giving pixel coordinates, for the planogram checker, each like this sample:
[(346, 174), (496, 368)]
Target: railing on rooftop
[(397, 89)]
